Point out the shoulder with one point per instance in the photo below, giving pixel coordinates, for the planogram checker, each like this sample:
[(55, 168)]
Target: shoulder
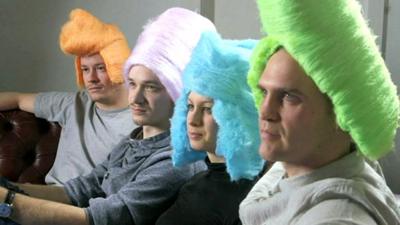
[(83, 96), (50, 95), (161, 155), (342, 196), (357, 189), (162, 162), (337, 211), (119, 151)]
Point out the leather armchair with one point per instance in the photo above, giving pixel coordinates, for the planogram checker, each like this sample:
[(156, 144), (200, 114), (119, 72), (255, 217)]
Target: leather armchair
[(28, 146)]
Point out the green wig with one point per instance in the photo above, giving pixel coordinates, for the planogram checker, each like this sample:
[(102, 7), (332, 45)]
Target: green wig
[(332, 42)]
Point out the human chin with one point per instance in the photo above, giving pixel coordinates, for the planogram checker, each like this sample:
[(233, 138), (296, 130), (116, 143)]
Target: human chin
[(95, 96), (196, 145), (267, 151), (140, 120)]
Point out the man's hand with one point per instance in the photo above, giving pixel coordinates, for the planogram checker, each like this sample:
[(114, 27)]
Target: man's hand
[(33, 211)]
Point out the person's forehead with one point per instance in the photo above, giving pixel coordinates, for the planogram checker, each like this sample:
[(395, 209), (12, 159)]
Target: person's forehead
[(196, 97), (140, 73), (93, 58), (283, 71)]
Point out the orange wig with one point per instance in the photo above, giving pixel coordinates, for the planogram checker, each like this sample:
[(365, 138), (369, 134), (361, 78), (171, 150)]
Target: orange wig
[(85, 35)]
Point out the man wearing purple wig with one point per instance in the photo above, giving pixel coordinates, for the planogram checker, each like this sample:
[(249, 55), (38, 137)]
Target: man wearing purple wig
[(137, 182)]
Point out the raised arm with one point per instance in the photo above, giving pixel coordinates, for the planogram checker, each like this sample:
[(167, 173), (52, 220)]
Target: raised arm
[(14, 100)]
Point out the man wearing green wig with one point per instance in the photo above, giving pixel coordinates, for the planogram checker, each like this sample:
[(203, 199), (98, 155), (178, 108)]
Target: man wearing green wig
[(326, 102)]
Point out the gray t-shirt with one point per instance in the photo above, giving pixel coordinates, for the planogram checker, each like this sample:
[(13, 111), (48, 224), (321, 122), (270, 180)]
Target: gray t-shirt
[(134, 185), (88, 134), (347, 191)]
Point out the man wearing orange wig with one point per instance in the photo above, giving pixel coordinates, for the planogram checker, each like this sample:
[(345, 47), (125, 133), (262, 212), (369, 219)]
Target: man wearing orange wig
[(137, 182), (94, 119)]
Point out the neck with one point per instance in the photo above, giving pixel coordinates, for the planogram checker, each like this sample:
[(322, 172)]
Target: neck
[(293, 170), (215, 158), (119, 101), (151, 131), (317, 160)]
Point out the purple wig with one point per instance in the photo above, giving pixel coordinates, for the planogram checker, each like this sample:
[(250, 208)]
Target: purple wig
[(165, 46)]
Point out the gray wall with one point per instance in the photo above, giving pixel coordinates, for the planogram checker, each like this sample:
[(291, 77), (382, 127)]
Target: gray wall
[(392, 57), (31, 59), (393, 40), (237, 18), (384, 18)]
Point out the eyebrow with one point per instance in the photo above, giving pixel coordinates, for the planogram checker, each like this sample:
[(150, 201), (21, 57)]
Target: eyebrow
[(97, 64), (292, 90), (146, 82), (152, 82), (202, 102), (283, 89)]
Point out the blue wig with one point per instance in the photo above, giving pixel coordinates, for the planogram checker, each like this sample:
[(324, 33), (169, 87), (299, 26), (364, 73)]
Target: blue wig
[(218, 70)]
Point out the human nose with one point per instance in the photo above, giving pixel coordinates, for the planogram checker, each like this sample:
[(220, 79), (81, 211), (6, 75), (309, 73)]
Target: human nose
[(136, 96), (92, 76), (194, 117), (269, 109)]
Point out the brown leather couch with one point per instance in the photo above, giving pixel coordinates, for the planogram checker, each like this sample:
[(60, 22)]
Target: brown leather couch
[(28, 146)]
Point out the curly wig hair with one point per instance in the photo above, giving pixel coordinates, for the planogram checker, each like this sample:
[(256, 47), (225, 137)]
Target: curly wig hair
[(85, 35), (332, 42), (166, 44), (218, 70)]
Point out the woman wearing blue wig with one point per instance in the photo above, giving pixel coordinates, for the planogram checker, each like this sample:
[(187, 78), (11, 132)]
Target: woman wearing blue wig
[(215, 120)]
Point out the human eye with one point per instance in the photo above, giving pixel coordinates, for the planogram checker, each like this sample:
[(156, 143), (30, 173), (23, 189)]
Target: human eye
[(207, 109), (151, 88), (85, 70), (131, 84), (291, 98), (264, 92), (190, 106), (101, 68)]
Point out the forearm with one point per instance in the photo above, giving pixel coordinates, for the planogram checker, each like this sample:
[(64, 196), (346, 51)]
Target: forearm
[(14, 100), (8, 100), (47, 192), (32, 211)]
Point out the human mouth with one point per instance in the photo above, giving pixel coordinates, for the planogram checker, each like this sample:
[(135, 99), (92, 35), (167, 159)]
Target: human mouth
[(95, 88), (268, 135), (195, 136), (138, 110)]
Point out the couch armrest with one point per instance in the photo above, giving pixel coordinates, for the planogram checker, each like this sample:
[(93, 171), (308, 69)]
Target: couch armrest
[(28, 146)]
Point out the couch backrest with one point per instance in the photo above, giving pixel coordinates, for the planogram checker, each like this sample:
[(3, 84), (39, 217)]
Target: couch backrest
[(28, 146)]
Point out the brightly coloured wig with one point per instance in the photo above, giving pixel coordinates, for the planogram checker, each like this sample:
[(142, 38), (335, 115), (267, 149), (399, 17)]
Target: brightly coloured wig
[(332, 42), (166, 44), (85, 35), (218, 70)]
